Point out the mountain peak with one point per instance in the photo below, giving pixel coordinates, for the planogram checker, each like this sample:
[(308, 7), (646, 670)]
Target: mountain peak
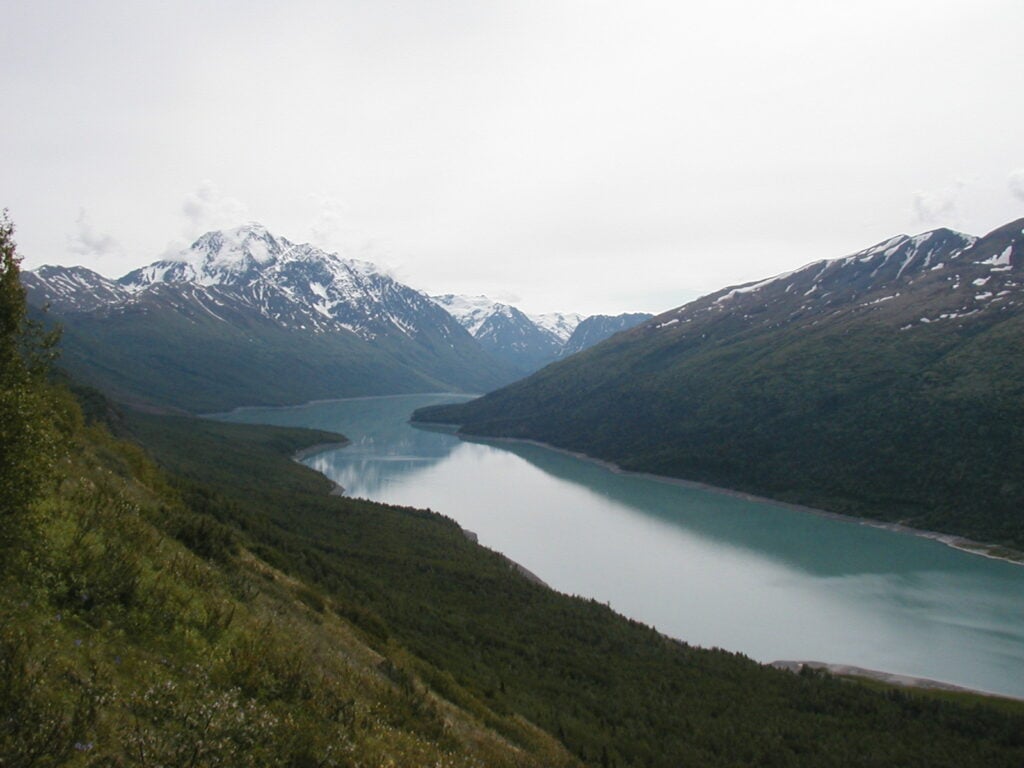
[(236, 251)]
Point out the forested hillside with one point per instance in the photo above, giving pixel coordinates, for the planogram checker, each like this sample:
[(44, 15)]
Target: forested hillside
[(888, 384), (217, 607)]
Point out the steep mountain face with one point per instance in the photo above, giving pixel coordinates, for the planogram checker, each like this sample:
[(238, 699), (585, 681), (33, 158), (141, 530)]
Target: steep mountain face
[(596, 328), (243, 316), (561, 325), (73, 289), (889, 384), (507, 333), (299, 286), (529, 342)]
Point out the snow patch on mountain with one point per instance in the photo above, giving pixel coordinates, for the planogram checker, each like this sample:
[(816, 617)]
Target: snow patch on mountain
[(471, 311), (1000, 259), (560, 324), (294, 285), (531, 341)]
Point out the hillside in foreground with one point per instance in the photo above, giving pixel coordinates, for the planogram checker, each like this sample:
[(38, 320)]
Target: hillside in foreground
[(888, 384), (205, 601)]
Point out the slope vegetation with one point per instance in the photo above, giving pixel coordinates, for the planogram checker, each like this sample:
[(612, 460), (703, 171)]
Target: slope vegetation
[(222, 609)]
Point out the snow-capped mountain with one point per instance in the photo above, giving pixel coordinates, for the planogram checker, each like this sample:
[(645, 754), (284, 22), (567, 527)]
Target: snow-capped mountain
[(358, 330), (296, 285), (935, 276), (504, 331), (562, 325), (529, 342), (73, 289)]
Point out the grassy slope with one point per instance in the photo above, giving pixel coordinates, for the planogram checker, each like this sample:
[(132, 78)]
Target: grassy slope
[(134, 631), (504, 649), (922, 427)]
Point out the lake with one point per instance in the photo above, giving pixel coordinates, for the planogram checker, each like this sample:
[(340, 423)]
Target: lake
[(710, 568)]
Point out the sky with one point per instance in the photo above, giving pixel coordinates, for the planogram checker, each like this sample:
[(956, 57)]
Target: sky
[(562, 155)]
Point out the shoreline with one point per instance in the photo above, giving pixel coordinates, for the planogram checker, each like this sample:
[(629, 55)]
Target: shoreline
[(890, 678), (840, 670), (961, 543), (313, 450), (320, 401)]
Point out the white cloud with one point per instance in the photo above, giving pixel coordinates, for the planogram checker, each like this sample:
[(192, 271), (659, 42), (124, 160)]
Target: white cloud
[(940, 206), (208, 208), (89, 243), (509, 297), (657, 138), (333, 230), (330, 229), (1016, 182)]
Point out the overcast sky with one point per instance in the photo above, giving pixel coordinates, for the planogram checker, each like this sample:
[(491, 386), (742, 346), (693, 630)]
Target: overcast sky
[(575, 156)]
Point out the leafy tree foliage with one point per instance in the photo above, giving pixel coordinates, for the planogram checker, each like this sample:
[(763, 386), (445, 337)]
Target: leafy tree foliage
[(28, 442)]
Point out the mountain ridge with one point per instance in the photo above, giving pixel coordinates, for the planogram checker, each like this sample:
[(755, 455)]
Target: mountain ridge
[(902, 363), (243, 317), (530, 341), (235, 288)]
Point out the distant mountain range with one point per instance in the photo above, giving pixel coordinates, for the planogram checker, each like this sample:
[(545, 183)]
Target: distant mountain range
[(888, 384), (529, 342), (244, 317)]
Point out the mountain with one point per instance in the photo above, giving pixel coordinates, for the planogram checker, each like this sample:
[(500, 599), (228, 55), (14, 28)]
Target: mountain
[(596, 328), (505, 332), (529, 342), (222, 608), (887, 384), (244, 317), (561, 325)]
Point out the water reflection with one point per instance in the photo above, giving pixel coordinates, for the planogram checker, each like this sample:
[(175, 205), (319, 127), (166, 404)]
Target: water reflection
[(817, 545), (712, 568)]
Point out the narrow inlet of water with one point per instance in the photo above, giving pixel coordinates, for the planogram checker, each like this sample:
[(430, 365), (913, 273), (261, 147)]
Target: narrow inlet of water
[(710, 568)]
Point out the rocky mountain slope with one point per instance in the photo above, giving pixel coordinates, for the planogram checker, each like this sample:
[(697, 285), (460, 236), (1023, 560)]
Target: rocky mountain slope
[(889, 383), (245, 317), (596, 328), (529, 342), (507, 333)]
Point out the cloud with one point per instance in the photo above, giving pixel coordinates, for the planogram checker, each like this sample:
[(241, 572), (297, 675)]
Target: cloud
[(509, 297), (333, 230), (330, 228), (1016, 182), (208, 208), (940, 206), (86, 241)]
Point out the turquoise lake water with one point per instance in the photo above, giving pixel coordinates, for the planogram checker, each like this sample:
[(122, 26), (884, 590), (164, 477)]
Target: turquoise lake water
[(710, 568)]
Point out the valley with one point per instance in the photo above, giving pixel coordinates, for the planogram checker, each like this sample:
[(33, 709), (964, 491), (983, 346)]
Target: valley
[(698, 564), (168, 549), (512, 385)]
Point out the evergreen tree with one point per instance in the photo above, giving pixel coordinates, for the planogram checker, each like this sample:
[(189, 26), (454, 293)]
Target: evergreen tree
[(28, 441)]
